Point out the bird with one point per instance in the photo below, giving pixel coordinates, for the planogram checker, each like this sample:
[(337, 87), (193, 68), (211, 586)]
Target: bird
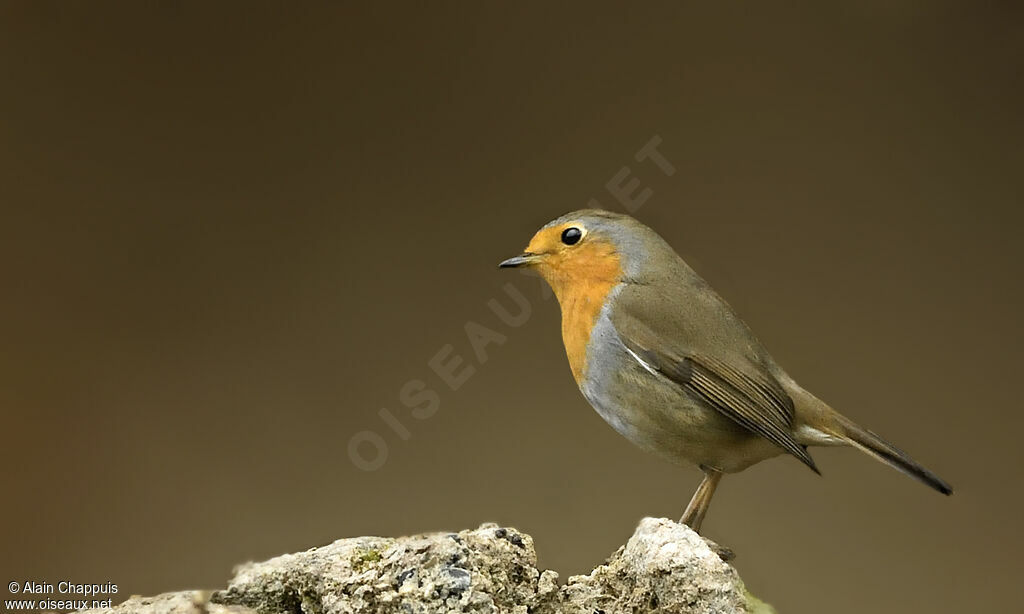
[(670, 365)]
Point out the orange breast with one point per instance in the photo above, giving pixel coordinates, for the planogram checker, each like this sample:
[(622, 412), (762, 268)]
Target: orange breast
[(578, 319), (582, 286)]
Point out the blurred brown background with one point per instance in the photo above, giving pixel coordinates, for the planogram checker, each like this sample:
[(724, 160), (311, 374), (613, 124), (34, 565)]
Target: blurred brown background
[(231, 232)]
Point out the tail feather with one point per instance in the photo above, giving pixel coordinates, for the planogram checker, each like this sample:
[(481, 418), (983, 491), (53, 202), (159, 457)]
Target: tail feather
[(875, 446)]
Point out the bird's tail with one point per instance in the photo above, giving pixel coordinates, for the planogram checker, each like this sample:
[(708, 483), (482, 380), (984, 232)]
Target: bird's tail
[(873, 445)]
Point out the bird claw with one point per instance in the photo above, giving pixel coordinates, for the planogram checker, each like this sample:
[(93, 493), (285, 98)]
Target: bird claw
[(726, 554)]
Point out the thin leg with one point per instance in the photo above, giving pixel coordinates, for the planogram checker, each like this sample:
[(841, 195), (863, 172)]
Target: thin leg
[(693, 517), (711, 480)]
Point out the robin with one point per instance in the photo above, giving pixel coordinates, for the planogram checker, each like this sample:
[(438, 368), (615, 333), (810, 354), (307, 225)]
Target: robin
[(671, 367)]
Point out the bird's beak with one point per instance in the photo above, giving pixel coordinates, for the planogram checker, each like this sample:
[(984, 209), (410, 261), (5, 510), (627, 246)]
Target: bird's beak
[(524, 259)]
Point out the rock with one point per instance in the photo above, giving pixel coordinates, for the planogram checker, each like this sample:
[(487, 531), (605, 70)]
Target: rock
[(664, 567), (184, 602), (490, 569)]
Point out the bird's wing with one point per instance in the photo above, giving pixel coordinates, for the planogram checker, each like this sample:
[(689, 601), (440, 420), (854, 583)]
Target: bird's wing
[(736, 389)]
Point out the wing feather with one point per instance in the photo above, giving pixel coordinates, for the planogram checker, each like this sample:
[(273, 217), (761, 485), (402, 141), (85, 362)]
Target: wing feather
[(753, 400)]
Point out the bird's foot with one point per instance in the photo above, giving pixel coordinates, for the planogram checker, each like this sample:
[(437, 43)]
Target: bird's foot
[(726, 554)]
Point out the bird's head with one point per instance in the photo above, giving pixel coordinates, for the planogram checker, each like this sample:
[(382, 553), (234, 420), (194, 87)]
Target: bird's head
[(578, 251)]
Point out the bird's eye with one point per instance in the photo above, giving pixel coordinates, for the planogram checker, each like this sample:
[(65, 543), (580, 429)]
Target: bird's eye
[(572, 235)]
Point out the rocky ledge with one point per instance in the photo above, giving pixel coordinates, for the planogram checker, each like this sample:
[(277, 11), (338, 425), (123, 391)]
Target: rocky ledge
[(664, 567)]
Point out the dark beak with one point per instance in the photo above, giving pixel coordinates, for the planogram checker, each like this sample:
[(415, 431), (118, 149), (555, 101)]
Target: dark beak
[(524, 259)]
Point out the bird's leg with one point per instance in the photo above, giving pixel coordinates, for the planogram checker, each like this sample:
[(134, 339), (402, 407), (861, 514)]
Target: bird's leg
[(693, 517), (710, 483), (691, 509)]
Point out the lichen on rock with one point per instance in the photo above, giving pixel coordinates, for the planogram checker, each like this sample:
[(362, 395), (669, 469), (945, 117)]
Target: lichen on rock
[(664, 567), (490, 569)]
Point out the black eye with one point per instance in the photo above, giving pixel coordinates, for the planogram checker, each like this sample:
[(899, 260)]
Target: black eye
[(572, 235)]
